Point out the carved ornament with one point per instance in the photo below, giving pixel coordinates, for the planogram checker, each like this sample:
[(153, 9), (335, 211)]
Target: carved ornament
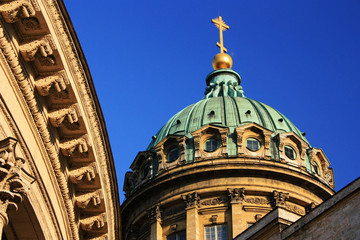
[(86, 200), (191, 200), (279, 199), (236, 195), (15, 10), (85, 174), (215, 201), (74, 147), (55, 83), (154, 213), (12, 187), (43, 48), (65, 116), (93, 223)]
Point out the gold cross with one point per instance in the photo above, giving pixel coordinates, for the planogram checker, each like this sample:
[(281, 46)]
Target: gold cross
[(220, 24)]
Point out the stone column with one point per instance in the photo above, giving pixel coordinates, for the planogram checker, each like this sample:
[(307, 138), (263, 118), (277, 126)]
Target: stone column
[(155, 223), (192, 203), (236, 196), (12, 187)]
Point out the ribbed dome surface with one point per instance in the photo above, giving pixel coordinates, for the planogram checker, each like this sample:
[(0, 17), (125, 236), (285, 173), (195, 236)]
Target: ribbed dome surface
[(225, 111), (224, 105)]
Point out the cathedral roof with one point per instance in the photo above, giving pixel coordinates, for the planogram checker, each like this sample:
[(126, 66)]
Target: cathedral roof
[(224, 105)]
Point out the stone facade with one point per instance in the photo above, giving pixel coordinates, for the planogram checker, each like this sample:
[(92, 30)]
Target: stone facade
[(55, 160)]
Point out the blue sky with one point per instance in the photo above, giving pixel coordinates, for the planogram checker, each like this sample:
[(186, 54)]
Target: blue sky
[(149, 60)]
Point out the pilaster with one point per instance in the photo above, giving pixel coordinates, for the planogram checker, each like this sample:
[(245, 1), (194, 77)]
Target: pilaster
[(192, 203), (155, 223), (236, 197)]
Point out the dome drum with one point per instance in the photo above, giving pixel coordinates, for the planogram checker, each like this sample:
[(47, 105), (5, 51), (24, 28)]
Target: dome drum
[(232, 145)]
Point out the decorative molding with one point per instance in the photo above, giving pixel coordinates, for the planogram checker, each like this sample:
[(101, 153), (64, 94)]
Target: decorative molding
[(31, 23), (215, 201), (12, 187), (87, 200), (86, 174), (191, 200), (15, 10), (26, 89), (279, 199), (236, 195), (256, 200)]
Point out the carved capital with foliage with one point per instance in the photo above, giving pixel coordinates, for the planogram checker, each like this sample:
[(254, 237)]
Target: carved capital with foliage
[(279, 199), (236, 195), (154, 213), (12, 187), (191, 200)]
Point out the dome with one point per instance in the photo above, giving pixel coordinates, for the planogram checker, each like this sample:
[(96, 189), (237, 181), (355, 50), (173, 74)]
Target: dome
[(224, 105)]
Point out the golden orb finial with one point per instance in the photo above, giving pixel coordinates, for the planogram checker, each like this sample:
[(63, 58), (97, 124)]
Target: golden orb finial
[(222, 60)]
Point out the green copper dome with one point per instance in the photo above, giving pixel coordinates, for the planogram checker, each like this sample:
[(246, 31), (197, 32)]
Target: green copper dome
[(224, 105)]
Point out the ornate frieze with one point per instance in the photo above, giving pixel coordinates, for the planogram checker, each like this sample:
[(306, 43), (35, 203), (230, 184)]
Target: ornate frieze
[(279, 199), (215, 201), (12, 187), (92, 199), (191, 200), (15, 10), (236, 195), (84, 174), (256, 200)]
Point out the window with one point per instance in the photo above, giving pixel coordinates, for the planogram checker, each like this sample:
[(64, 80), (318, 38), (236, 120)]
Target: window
[(253, 144), (177, 236), (145, 171), (316, 168), (216, 232), (173, 154), (211, 144), (290, 152)]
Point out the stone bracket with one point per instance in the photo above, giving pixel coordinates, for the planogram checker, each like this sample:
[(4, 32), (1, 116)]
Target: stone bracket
[(87, 200), (83, 174), (15, 10), (56, 83), (74, 147), (43, 48), (68, 116)]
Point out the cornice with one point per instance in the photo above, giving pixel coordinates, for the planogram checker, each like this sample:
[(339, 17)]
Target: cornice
[(81, 147)]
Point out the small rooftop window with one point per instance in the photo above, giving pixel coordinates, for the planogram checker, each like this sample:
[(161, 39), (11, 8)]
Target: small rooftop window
[(253, 144), (211, 145), (173, 155), (290, 152)]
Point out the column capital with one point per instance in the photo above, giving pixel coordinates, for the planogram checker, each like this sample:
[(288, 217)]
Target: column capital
[(279, 199), (191, 200), (12, 187), (154, 213), (236, 195)]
